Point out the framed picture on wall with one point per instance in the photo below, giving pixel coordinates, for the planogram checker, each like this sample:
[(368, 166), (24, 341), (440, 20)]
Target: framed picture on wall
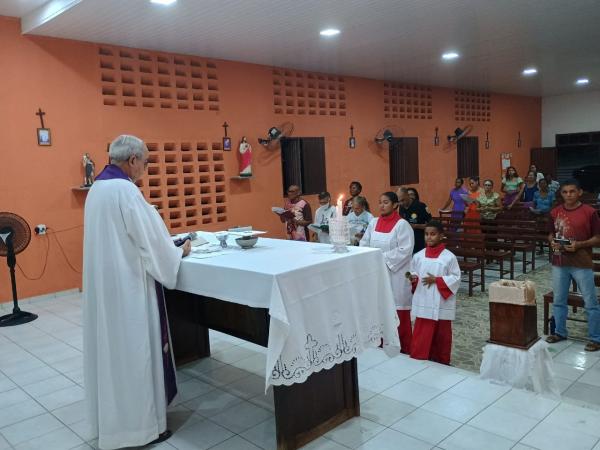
[(227, 143), (43, 136)]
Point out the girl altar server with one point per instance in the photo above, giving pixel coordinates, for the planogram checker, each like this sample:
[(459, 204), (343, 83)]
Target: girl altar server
[(394, 236), (435, 277)]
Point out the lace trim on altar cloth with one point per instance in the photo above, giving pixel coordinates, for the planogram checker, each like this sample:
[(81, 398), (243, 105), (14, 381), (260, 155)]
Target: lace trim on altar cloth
[(322, 356)]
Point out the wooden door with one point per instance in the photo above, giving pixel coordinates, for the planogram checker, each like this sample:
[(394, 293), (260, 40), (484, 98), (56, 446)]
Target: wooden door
[(545, 159)]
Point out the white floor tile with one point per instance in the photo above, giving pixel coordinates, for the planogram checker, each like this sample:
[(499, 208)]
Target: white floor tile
[(235, 443), (13, 371), (62, 398), (553, 436), (266, 401), (40, 374), (30, 428), (583, 392), (426, 426), (191, 389), (247, 387), (60, 439), (241, 417), (402, 366), (5, 383), (48, 385), (454, 407), (233, 354), (376, 381), (354, 432), (484, 391), (323, 443), (262, 435), (16, 395), (393, 440), (575, 418), (201, 366), (470, 438), (576, 356), (413, 393), (527, 404), (222, 376), (212, 403), (83, 430), (20, 411), (437, 377), (69, 364), (384, 410), (370, 358), (563, 384), (591, 376), (72, 413), (503, 423), (199, 435), (255, 364), (520, 446), (568, 372), (4, 445)]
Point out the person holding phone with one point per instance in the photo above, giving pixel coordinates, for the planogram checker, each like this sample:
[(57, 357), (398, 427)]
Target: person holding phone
[(574, 230)]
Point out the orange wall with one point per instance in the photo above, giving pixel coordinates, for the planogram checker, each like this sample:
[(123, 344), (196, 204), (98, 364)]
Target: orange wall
[(63, 78)]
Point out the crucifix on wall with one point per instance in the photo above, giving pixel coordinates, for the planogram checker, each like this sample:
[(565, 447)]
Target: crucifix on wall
[(226, 139), (43, 133)]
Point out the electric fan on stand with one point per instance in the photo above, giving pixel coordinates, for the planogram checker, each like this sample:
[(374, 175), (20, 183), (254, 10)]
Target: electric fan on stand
[(14, 238)]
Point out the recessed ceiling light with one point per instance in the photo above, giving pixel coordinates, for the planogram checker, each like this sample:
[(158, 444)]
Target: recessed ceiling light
[(450, 55), (530, 71), (329, 32), (582, 81), (163, 2)]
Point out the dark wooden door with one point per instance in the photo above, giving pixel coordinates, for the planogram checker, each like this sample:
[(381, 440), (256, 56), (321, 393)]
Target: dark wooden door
[(467, 157), (545, 159)]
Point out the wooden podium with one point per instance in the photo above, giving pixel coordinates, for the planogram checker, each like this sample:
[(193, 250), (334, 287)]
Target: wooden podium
[(513, 325)]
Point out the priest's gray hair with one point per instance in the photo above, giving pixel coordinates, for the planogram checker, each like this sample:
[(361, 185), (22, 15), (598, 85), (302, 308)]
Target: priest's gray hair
[(126, 146)]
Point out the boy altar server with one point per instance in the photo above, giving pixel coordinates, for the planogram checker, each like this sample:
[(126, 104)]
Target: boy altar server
[(435, 276)]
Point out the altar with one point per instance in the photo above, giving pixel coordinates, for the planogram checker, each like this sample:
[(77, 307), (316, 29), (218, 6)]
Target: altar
[(313, 309)]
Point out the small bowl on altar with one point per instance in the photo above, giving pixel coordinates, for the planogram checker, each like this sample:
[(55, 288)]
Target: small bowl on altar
[(247, 242)]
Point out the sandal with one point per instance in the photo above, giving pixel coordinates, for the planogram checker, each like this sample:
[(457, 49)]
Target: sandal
[(592, 346), (554, 338)]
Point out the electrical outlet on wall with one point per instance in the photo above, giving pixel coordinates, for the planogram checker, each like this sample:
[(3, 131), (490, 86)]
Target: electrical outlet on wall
[(40, 229)]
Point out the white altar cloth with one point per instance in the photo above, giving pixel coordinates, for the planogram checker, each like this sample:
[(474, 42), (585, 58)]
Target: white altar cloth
[(325, 307), (531, 369)]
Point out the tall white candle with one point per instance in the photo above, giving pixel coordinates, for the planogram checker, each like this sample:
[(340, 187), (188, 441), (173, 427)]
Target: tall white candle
[(338, 209)]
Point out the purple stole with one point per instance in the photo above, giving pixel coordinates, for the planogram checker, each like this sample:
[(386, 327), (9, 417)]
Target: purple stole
[(111, 172)]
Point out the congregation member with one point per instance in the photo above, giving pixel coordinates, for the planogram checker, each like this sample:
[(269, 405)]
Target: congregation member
[(355, 190), (299, 214), (456, 198), (324, 212), (488, 203), (512, 186), (435, 277), (538, 175), (574, 230), (129, 374), (394, 236), (416, 213), (358, 219), (475, 190), (553, 185), (529, 189), (543, 199)]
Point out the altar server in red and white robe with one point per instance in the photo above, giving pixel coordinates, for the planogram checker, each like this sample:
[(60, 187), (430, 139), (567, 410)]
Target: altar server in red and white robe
[(395, 237), (435, 277)]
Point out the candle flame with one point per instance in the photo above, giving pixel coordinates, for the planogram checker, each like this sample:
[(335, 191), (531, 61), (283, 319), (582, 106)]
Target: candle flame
[(340, 198)]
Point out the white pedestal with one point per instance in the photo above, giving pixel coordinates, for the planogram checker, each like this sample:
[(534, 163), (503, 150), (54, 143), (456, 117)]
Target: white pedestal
[(531, 369)]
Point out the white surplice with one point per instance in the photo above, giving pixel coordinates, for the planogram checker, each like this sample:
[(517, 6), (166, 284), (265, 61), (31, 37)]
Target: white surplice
[(397, 247), (427, 302), (126, 248)]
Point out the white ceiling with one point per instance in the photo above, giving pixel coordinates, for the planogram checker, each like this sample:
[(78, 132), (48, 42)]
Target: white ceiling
[(399, 40)]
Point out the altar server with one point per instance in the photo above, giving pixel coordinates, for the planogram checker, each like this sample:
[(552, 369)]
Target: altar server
[(395, 237), (129, 373), (435, 276)]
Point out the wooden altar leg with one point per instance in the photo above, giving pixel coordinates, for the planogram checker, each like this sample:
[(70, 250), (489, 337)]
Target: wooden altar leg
[(305, 411)]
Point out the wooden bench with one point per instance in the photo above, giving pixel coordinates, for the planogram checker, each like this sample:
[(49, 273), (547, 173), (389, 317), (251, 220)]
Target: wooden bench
[(574, 299), (472, 252)]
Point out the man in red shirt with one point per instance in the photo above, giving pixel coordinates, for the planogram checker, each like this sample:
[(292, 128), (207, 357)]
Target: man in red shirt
[(574, 230)]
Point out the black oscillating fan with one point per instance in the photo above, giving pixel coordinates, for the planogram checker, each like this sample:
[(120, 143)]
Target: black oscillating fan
[(14, 238)]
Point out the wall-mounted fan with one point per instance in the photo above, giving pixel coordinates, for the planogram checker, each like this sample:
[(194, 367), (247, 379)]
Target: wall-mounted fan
[(387, 133), (275, 134), (459, 133)]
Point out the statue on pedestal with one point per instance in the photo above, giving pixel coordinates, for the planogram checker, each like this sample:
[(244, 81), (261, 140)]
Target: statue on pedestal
[(245, 158), (89, 168)]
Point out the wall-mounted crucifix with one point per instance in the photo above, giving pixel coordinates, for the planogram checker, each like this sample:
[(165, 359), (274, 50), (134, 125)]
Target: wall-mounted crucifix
[(226, 139), (43, 133)]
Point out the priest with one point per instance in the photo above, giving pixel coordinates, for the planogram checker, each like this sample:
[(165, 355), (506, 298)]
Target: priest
[(129, 374)]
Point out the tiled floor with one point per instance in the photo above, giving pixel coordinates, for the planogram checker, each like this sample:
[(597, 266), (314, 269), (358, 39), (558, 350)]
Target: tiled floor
[(405, 403)]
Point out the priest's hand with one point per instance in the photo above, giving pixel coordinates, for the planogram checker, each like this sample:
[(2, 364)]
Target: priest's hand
[(187, 248), (428, 280)]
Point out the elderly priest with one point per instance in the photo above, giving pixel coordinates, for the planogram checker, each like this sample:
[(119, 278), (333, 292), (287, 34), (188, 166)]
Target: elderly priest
[(128, 368)]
